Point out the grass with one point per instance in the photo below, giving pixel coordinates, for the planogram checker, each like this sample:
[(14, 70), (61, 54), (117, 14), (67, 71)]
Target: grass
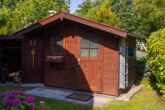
[(146, 99)]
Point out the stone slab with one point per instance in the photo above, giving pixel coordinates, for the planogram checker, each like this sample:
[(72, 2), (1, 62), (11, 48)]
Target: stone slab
[(128, 95), (22, 85), (32, 85), (98, 100)]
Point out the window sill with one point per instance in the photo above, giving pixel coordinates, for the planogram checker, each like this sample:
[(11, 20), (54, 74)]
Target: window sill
[(55, 59)]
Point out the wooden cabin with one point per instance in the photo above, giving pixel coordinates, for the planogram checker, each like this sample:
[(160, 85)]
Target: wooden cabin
[(67, 51)]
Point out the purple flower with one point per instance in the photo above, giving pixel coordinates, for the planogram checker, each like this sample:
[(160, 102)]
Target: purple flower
[(10, 96), (17, 102), (29, 99), (13, 92), (22, 93), (8, 102), (2, 96), (31, 107)]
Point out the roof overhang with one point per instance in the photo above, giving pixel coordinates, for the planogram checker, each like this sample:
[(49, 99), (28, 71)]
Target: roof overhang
[(61, 16), (137, 36), (9, 37), (84, 21), (65, 16)]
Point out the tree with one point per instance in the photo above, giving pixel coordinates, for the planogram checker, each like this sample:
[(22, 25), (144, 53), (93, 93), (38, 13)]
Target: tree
[(125, 12), (30, 12), (137, 16), (63, 5), (98, 10), (5, 21), (106, 16), (151, 15), (84, 8), (11, 4)]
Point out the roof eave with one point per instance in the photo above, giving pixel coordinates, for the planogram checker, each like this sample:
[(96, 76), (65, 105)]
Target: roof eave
[(103, 27), (137, 36)]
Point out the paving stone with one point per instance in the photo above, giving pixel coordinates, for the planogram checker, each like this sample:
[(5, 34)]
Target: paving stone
[(33, 85), (98, 100), (61, 94)]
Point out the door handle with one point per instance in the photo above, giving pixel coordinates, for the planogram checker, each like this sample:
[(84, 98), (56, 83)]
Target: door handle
[(78, 60)]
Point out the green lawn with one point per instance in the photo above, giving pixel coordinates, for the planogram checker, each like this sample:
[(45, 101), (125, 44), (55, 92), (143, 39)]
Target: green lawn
[(146, 99)]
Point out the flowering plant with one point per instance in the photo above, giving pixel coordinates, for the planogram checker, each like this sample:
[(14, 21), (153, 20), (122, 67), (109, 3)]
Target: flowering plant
[(16, 100)]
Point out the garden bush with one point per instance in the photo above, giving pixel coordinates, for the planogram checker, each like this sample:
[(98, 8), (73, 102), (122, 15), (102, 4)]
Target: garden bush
[(156, 58), (16, 100)]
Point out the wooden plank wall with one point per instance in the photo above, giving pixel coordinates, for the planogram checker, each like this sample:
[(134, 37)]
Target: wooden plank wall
[(131, 62), (111, 66), (102, 76)]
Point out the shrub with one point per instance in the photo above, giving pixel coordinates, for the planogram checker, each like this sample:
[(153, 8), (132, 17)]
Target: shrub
[(16, 100), (143, 69), (156, 58)]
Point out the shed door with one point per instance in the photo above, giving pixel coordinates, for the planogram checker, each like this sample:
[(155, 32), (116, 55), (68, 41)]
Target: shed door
[(89, 69), (33, 61)]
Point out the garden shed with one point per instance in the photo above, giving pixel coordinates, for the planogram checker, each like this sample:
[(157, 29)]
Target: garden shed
[(68, 51)]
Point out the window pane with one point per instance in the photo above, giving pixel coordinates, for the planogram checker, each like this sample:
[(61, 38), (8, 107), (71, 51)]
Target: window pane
[(57, 44), (54, 46), (84, 52), (55, 51), (84, 43), (93, 52), (60, 50), (60, 42), (131, 52), (94, 43)]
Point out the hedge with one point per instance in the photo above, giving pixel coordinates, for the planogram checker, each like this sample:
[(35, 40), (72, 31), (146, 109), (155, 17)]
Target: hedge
[(156, 58)]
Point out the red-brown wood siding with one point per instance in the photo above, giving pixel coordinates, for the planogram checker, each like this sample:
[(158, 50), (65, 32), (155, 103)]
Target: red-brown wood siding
[(96, 74), (64, 74), (33, 73), (131, 62), (111, 66), (90, 67)]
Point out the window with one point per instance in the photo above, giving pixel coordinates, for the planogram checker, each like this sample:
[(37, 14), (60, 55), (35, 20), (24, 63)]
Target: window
[(89, 47), (131, 52), (57, 46)]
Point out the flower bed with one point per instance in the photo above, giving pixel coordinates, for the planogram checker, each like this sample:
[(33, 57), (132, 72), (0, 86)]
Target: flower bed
[(16, 100)]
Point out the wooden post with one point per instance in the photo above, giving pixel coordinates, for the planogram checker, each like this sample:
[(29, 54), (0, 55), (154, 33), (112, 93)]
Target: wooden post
[(122, 68)]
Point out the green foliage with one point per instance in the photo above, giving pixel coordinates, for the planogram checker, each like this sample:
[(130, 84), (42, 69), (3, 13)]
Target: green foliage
[(5, 21), (137, 16), (150, 14), (141, 16), (106, 16), (28, 12), (89, 8), (84, 8), (11, 4), (16, 100), (156, 58), (125, 12), (98, 10)]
